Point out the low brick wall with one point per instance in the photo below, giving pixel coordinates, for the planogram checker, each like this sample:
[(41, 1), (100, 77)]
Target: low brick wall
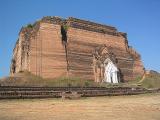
[(57, 92)]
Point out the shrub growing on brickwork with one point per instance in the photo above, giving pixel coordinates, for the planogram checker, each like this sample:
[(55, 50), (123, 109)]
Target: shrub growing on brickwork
[(29, 26)]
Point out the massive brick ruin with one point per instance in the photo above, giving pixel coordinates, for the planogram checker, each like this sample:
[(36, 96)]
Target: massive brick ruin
[(54, 47)]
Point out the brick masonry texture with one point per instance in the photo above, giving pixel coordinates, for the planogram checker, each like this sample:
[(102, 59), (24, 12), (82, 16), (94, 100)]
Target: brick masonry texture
[(54, 47)]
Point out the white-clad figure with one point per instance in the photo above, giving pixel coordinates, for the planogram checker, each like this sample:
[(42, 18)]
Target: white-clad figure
[(110, 73)]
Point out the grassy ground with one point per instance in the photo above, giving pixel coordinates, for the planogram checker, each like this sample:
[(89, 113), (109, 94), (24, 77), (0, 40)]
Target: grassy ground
[(28, 79), (136, 107), (151, 81)]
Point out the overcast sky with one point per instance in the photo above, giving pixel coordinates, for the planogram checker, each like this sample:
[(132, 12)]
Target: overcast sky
[(140, 19)]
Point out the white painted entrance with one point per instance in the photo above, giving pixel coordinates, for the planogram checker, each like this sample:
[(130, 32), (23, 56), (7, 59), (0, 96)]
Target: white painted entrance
[(111, 72)]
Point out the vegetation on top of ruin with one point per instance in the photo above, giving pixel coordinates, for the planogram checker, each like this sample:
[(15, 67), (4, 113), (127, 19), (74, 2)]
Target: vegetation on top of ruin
[(32, 25), (29, 26)]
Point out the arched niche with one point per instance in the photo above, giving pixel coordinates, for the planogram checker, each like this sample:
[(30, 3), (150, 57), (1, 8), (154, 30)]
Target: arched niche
[(104, 65)]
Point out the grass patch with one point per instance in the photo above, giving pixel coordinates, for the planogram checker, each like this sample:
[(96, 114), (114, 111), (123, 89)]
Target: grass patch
[(25, 78), (151, 81), (70, 82)]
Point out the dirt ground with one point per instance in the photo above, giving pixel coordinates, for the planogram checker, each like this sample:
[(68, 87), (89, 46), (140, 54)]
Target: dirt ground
[(136, 107)]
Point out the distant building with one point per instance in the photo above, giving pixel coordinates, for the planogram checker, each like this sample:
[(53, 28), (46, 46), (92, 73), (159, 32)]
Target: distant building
[(54, 47)]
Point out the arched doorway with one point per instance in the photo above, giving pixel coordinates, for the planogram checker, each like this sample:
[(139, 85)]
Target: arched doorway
[(104, 65)]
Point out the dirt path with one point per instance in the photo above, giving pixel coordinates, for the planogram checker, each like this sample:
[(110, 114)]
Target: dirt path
[(138, 107)]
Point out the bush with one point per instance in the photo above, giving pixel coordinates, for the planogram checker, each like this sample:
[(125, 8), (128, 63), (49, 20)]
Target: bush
[(29, 26), (65, 27), (86, 83)]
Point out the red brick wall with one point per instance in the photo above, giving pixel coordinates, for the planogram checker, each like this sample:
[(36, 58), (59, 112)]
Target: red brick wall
[(81, 45), (47, 52), (46, 56)]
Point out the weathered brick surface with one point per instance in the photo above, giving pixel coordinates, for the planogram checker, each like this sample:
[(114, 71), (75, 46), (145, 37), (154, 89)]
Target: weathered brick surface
[(81, 45), (47, 51)]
